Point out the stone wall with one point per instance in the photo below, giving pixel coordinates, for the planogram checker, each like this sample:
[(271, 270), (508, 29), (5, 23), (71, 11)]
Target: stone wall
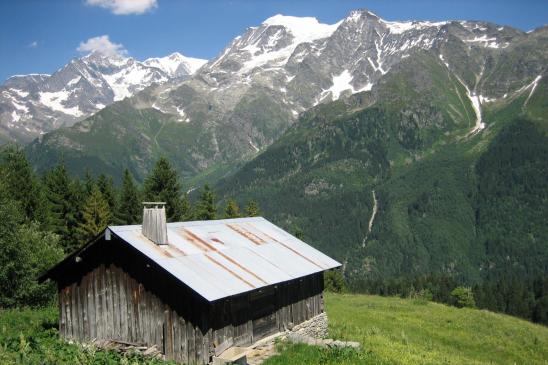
[(314, 332), (315, 327)]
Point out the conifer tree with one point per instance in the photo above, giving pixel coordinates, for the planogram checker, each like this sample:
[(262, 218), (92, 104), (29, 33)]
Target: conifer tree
[(130, 204), (89, 182), (106, 187), (57, 183), (205, 209), (65, 198), (23, 185), (163, 184), (252, 209), (232, 209), (186, 209), (95, 216)]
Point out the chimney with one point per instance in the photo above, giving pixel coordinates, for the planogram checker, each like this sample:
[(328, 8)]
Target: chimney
[(154, 222)]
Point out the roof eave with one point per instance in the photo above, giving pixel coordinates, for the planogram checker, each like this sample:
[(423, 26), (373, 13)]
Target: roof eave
[(48, 273)]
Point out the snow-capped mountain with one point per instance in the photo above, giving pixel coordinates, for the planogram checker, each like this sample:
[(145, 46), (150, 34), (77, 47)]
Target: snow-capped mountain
[(31, 105), (244, 99), (350, 55), (299, 62), (304, 62), (176, 65)]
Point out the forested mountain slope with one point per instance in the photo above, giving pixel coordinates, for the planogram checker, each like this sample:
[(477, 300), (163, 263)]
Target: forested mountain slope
[(456, 195)]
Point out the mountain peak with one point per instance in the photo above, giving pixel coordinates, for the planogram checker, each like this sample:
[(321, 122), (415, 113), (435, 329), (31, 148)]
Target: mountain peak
[(176, 56), (304, 29), (173, 63), (97, 55), (394, 27), (362, 12), (107, 60), (290, 21)]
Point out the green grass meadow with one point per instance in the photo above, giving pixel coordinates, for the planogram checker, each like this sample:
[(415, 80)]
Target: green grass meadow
[(407, 331)]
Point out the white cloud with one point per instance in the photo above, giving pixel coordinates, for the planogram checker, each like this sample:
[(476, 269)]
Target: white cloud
[(33, 44), (125, 7), (102, 45)]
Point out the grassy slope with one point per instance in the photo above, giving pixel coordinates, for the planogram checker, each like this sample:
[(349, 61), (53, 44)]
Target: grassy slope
[(405, 331)]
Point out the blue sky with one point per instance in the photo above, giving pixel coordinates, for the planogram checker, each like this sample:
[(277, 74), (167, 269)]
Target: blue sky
[(40, 36)]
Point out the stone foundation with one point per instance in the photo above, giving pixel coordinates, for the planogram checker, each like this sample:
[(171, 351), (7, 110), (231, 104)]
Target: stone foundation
[(314, 332), (315, 327)]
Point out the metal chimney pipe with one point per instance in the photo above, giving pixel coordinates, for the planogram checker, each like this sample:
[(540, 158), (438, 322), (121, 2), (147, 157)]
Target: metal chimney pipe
[(154, 222)]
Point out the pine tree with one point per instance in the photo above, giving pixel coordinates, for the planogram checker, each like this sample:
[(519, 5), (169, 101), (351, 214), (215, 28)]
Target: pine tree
[(106, 187), (57, 183), (23, 185), (163, 184), (252, 209), (232, 209), (205, 209), (89, 183), (130, 204), (186, 209), (95, 216), (65, 198)]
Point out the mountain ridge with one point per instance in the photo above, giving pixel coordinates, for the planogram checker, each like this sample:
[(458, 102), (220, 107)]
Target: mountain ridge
[(240, 102), (31, 105)]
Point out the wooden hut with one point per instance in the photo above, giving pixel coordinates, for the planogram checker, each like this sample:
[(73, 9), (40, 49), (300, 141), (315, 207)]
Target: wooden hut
[(192, 289)]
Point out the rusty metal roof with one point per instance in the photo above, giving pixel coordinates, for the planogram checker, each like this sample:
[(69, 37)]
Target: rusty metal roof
[(227, 257)]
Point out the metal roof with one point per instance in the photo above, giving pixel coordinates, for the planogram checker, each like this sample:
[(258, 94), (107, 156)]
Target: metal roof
[(221, 258)]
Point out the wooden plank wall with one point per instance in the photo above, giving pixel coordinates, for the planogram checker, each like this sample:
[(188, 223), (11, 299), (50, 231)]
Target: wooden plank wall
[(109, 304), (296, 302), (299, 301)]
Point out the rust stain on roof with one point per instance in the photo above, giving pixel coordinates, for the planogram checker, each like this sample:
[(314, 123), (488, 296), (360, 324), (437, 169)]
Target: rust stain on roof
[(241, 267), (156, 247), (177, 249), (197, 241), (230, 271), (215, 239), (293, 250), (194, 238), (249, 235)]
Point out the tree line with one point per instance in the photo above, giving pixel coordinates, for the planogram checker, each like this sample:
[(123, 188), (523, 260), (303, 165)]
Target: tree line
[(43, 218), (525, 297)]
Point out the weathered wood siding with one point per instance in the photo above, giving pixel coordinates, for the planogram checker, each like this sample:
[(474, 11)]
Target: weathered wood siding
[(128, 298), (291, 303), (109, 304)]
